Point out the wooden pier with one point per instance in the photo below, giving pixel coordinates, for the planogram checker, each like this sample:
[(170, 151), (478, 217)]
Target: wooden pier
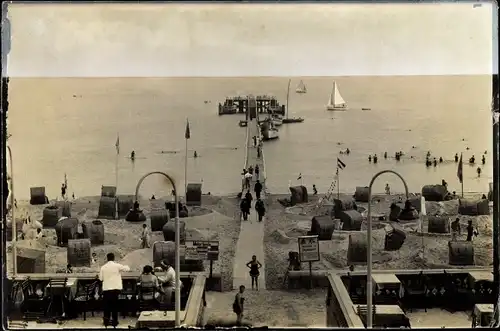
[(240, 105), (251, 239)]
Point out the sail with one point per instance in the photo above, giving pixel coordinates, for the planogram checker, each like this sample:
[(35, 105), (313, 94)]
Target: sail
[(335, 97), (301, 87)]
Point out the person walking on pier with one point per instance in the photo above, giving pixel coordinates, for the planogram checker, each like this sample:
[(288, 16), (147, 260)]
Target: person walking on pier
[(249, 197), (260, 209), (254, 265), (248, 177), (112, 285), (254, 141), (257, 171), (257, 189), (245, 208)]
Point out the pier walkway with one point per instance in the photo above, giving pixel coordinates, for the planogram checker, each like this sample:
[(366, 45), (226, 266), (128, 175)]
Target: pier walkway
[(251, 239)]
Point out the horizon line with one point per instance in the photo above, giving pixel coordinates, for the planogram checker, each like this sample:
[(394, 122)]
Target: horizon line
[(228, 77)]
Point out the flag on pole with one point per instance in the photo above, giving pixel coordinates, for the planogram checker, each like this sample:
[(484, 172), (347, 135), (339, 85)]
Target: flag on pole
[(65, 180), (187, 135), (340, 164), (117, 144), (460, 173), (300, 176)]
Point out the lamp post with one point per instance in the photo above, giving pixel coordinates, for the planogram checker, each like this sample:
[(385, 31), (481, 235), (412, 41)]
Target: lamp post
[(177, 241), (12, 207), (369, 288)]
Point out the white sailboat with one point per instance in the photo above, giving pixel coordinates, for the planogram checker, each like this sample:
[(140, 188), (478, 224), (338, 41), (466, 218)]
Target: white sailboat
[(301, 88), (290, 120), (336, 102)]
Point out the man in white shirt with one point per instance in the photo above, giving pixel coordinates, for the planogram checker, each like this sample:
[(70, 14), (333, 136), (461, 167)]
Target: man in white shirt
[(168, 281), (112, 285)]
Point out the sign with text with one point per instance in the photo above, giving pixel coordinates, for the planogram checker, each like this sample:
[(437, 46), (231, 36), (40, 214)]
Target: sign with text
[(206, 250), (308, 248)]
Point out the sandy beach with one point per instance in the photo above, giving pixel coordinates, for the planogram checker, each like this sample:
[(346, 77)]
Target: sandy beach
[(218, 219), (215, 220), (284, 225)]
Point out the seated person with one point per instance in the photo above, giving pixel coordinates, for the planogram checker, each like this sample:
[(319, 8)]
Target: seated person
[(148, 280), (168, 281)]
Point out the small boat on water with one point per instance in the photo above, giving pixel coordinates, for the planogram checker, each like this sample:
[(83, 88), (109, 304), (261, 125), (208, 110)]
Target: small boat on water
[(290, 120), (293, 120), (301, 88), (243, 123), (269, 131), (277, 119), (336, 102), (366, 109)]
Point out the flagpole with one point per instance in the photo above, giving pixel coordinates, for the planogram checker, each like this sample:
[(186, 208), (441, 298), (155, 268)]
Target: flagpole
[(462, 167), (185, 170), (187, 135), (338, 183), (117, 145), (116, 172)]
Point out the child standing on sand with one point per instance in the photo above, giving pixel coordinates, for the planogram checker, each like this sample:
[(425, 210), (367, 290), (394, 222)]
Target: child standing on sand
[(145, 236)]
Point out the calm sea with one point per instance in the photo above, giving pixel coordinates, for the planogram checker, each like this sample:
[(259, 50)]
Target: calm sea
[(70, 125)]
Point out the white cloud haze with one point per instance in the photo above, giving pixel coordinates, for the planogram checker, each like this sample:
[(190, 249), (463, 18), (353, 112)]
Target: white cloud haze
[(251, 39)]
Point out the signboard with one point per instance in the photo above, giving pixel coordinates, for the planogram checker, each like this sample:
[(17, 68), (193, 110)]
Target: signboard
[(308, 248), (206, 250)]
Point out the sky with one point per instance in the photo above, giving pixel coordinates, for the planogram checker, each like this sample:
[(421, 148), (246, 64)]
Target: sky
[(165, 40)]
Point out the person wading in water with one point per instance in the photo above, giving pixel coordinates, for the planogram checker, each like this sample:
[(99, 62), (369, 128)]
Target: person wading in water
[(254, 265), (260, 209), (63, 190), (238, 303)]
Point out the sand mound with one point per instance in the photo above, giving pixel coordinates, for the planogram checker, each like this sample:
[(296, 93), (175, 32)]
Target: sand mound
[(137, 259), (280, 237), (296, 210), (447, 208), (32, 243), (301, 228), (198, 211), (196, 234)]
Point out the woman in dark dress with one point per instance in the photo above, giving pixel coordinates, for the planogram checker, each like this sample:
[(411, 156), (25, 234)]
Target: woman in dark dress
[(238, 305), (254, 265)]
